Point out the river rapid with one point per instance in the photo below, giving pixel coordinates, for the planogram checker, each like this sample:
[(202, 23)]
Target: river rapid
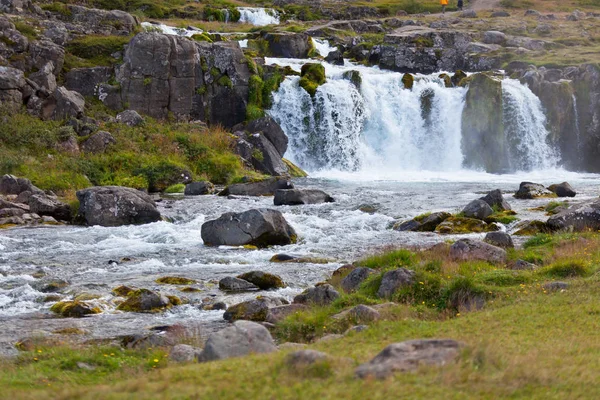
[(96, 259)]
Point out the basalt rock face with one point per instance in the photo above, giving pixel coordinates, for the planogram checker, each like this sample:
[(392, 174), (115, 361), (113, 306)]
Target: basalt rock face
[(166, 75)]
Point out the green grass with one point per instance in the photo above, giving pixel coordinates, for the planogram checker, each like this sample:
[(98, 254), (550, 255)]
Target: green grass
[(177, 188)]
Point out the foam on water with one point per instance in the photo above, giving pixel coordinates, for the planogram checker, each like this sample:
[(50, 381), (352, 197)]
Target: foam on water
[(170, 30), (323, 46)]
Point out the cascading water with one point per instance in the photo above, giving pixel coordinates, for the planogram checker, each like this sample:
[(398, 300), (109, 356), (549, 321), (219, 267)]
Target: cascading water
[(258, 16), (577, 129), (525, 128), (383, 129)]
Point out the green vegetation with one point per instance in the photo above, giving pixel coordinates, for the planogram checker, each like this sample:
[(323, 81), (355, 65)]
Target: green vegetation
[(27, 29), (93, 51), (312, 76), (176, 188), (260, 89)]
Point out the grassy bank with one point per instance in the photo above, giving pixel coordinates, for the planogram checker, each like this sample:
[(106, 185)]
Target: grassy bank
[(149, 156), (527, 342)]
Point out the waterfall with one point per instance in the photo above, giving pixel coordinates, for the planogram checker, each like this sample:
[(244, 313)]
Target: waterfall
[(226, 13), (577, 129), (258, 16), (323, 46), (525, 128), (378, 127)]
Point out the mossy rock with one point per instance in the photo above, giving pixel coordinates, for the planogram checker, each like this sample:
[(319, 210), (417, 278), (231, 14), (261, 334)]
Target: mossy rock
[(530, 228), (263, 280), (175, 280), (354, 77), (447, 80), (458, 77), (122, 291), (190, 289), (175, 301), (144, 300), (312, 76), (74, 309), (51, 298), (294, 170), (503, 217), (457, 225), (408, 81), (86, 297)]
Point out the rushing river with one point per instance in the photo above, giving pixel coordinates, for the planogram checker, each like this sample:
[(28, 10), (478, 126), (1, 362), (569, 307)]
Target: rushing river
[(84, 256)]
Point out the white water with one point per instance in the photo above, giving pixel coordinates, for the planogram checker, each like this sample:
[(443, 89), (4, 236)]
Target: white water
[(258, 16), (577, 128), (525, 128), (323, 46), (171, 30), (384, 130)]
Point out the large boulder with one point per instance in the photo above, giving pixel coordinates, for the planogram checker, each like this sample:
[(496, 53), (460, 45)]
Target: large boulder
[(394, 280), (199, 188), (257, 150), (10, 184), (355, 278), (144, 300), (495, 200), (259, 227), (130, 118), (288, 44), (483, 142), (115, 206), (63, 104), (12, 82), (562, 190), (530, 190), (478, 209), (292, 197), (320, 295), (240, 339), (499, 239), (44, 205), (270, 129), (409, 356), (252, 310), (266, 187), (469, 249), (581, 218)]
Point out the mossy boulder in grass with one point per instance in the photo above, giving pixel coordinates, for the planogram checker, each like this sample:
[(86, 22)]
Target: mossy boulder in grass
[(499, 239), (259, 227), (320, 295), (408, 81), (355, 278), (253, 310), (530, 228), (394, 280), (468, 249), (311, 77), (74, 309), (175, 280), (581, 218), (144, 300), (457, 225), (263, 280)]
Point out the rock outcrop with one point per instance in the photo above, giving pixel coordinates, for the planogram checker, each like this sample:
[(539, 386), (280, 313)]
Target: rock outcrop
[(115, 206)]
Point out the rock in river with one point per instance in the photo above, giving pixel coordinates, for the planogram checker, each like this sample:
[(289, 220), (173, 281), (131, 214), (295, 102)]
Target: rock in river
[(259, 227), (293, 197)]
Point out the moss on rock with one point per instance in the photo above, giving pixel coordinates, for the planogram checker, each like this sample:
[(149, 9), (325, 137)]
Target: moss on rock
[(408, 81), (263, 280), (144, 300), (312, 76), (294, 170), (456, 225), (122, 291), (74, 309), (175, 280)]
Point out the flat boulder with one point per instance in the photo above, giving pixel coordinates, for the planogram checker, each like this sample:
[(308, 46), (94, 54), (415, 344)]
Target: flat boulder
[(240, 339), (232, 284), (355, 278), (394, 280), (116, 206), (499, 239), (320, 295), (562, 190), (292, 197), (303, 358), (266, 187), (522, 265), (469, 249), (478, 209), (199, 188), (263, 280), (530, 190), (259, 227), (581, 218), (184, 353), (409, 356)]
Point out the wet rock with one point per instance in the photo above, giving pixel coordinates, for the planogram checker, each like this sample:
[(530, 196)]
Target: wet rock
[(335, 57), (468, 249), (252, 310), (259, 227), (199, 188), (279, 313), (495, 200), (144, 300), (183, 353), (270, 129), (122, 291), (478, 209), (529, 228), (456, 225), (407, 226), (555, 286), (499, 239), (116, 206), (394, 280), (409, 356), (98, 142), (232, 284), (130, 118), (562, 190), (263, 280), (355, 278), (293, 197), (240, 339), (578, 218), (51, 286), (522, 265), (320, 295), (282, 258), (265, 187), (530, 190), (303, 358), (174, 280), (74, 309), (424, 223)]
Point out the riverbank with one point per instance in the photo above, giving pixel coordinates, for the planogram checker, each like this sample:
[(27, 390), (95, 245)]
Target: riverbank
[(518, 345)]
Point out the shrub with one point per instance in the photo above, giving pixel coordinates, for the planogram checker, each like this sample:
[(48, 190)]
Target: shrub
[(567, 269), (177, 188)]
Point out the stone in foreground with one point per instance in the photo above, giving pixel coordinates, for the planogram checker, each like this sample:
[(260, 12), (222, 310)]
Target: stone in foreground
[(116, 206), (259, 227), (240, 339), (410, 355)]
